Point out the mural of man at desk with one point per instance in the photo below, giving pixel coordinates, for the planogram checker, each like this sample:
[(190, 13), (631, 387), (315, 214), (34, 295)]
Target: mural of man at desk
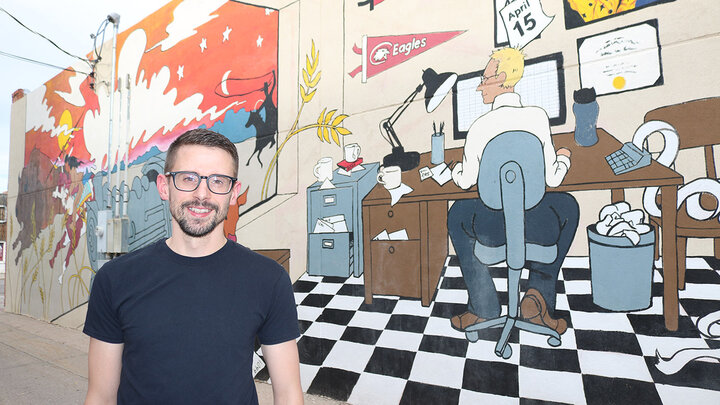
[(553, 221)]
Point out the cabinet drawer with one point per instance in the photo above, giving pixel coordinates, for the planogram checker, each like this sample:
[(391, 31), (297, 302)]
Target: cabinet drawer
[(330, 254), (396, 267), (326, 203), (396, 217)]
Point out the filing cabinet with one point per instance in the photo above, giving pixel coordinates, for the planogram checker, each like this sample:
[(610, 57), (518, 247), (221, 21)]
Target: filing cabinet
[(338, 253)]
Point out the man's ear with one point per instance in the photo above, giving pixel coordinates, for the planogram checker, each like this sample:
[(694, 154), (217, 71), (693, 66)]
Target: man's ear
[(163, 185), (502, 76), (234, 193)]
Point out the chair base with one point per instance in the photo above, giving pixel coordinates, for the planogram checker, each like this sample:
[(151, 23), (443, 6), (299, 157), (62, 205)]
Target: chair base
[(502, 348)]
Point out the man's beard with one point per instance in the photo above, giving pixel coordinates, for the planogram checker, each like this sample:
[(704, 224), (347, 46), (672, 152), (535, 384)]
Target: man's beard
[(196, 227)]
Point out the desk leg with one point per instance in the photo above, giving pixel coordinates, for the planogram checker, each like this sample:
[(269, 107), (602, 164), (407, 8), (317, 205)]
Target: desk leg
[(424, 256), (433, 246), (367, 255), (617, 195), (669, 256)]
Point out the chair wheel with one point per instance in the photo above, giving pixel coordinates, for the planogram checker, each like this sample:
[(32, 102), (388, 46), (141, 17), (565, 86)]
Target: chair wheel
[(507, 352), (553, 341), (472, 336)]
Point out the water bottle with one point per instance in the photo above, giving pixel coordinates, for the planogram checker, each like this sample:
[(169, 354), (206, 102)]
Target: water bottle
[(586, 111)]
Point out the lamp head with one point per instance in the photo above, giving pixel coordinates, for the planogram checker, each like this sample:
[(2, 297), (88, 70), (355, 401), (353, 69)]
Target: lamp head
[(114, 18), (437, 86)]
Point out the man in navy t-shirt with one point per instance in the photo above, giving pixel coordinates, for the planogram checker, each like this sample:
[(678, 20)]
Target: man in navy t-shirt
[(176, 321)]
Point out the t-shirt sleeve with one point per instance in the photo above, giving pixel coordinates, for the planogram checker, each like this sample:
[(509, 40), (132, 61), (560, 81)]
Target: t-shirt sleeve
[(101, 321), (281, 323)]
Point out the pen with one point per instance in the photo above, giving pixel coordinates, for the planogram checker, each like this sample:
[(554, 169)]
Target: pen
[(447, 166), (434, 130)]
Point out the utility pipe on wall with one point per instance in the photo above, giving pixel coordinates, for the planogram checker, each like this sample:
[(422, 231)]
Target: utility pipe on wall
[(114, 18)]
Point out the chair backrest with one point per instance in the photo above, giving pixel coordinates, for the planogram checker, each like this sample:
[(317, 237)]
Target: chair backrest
[(512, 178), (523, 148), (697, 123)]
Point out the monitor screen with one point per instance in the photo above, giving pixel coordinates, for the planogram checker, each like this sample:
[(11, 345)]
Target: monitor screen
[(542, 85)]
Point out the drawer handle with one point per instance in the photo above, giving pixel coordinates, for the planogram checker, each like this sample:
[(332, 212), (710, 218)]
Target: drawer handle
[(390, 213), (391, 249), (328, 244), (329, 200)]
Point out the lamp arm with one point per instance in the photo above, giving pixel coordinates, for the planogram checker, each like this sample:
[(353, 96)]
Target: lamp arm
[(387, 124)]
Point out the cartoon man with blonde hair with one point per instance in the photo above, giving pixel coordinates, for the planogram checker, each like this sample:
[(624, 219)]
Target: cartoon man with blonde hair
[(553, 221)]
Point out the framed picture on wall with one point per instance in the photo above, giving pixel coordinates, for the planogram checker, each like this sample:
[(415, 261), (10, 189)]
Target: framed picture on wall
[(621, 60), (582, 12)]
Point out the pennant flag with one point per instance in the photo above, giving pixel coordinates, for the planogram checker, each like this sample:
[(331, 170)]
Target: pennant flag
[(371, 3), (524, 21), (382, 53)]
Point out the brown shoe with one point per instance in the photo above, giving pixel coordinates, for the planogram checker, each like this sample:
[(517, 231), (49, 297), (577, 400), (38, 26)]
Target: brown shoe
[(534, 309), (464, 320)]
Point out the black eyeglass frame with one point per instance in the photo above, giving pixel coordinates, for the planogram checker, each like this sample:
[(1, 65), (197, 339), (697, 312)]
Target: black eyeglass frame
[(200, 178)]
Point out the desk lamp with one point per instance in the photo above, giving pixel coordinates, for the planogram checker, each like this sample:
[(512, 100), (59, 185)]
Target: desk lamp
[(437, 86)]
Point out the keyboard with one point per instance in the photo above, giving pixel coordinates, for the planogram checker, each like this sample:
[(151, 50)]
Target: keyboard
[(628, 158)]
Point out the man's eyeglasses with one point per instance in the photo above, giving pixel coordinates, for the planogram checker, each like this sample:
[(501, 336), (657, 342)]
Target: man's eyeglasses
[(189, 181)]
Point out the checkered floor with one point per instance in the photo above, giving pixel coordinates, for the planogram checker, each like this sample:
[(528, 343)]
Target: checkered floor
[(396, 351)]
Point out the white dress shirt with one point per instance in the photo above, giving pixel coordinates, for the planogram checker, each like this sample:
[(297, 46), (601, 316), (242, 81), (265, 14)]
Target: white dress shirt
[(508, 114)]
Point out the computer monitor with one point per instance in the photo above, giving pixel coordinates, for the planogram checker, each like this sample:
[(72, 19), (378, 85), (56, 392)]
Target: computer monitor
[(542, 84)]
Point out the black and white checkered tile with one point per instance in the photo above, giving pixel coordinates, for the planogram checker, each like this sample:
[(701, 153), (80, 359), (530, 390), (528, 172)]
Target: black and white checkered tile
[(395, 351)]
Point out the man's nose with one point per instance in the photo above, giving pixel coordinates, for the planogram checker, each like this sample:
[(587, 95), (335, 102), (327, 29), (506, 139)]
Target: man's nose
[(202, 190)]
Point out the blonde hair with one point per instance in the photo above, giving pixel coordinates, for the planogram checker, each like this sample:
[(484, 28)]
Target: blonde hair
[(512, 62)]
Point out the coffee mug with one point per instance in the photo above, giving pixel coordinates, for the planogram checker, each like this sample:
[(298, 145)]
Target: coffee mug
[(390, 177), (323, 170), (352, 152)]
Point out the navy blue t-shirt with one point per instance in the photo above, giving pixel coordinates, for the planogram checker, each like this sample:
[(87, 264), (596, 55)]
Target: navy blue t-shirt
[(189, 324)]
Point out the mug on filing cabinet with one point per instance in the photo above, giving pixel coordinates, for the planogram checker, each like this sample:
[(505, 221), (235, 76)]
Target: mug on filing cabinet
[(323, 170)]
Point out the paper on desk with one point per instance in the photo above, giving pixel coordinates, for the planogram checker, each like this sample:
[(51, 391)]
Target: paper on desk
[(441, 173), (398, 192), (397, 235), (353, 170), (425, 173)]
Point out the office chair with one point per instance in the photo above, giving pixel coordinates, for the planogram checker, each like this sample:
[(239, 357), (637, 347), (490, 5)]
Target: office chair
[(512, 179)]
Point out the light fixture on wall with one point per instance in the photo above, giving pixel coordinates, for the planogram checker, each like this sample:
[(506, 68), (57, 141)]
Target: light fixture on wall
[(437, 86)]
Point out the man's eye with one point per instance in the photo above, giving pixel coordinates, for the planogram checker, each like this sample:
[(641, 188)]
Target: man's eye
[(219, 180), (188, 178)]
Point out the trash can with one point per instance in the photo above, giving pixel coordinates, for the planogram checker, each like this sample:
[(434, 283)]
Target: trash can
[(621, 273)]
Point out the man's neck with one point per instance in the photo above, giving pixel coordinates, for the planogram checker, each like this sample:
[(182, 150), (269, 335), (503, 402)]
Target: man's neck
[(186, 245)]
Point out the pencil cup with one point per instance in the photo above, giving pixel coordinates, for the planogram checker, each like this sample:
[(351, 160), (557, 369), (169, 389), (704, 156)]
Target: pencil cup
[(437, 148)]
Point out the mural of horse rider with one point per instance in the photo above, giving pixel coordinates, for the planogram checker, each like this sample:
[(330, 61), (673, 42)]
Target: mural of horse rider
[(265, 128), (263, 118)]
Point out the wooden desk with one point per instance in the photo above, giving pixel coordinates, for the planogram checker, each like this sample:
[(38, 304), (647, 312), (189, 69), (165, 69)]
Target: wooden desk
[(412, 268)]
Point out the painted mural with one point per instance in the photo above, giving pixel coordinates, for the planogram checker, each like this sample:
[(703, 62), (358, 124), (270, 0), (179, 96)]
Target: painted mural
[(580, 12), (191, 64), (402, 296)]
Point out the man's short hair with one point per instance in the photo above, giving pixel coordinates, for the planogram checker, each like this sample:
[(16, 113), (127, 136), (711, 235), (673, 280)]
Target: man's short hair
[(512, 62), (203, 137)]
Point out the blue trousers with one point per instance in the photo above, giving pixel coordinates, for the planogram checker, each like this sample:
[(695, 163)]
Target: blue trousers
[(553, 221)]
